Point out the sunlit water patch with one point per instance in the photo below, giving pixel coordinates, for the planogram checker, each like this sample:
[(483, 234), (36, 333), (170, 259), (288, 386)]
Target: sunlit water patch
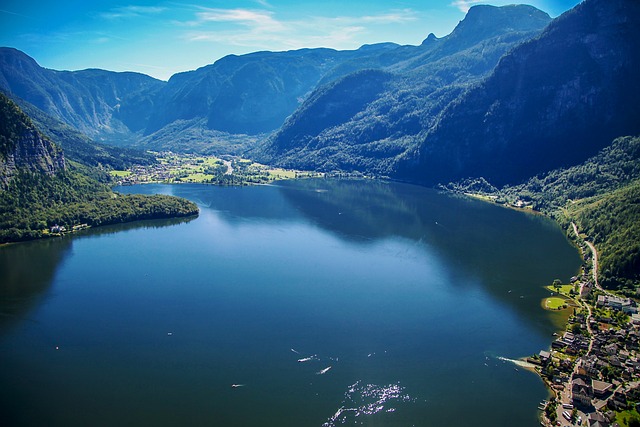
[(367, 400)]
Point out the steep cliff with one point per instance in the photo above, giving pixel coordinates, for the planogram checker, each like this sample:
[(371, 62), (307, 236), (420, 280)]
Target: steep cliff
[(22, 147)]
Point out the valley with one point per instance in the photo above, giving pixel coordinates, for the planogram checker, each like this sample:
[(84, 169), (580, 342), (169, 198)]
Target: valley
[(512, 107), (174, 168)]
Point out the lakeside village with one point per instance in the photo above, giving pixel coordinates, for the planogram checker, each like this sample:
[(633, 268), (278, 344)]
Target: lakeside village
[(172, 168), (593, 368)]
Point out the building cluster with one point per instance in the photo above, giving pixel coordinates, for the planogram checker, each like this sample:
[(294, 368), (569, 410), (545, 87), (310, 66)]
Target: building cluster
[(598, 375), (626, 305)]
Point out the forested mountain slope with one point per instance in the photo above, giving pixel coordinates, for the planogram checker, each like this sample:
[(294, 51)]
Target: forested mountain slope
[(22, 148), (81, 148), (601, 195), (553, 101), (370, 136), (39, 190)]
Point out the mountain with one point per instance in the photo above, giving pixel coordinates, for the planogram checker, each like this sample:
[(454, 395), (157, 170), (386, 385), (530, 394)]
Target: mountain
[(553, 101), (102, 104), (249, 94), (40, 190), (22, 147), (79, 147), (600, 195), (421, 81)]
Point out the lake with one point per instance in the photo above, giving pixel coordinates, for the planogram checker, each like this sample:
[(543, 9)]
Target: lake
[(303, 303)]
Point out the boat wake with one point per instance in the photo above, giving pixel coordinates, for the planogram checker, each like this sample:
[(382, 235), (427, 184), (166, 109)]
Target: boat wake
[(323, 371), (520, 363)]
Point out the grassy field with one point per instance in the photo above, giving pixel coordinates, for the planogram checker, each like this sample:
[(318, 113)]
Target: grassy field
[(623, 418), (282, 174), (173, 167), (564, 289), (554, 303)]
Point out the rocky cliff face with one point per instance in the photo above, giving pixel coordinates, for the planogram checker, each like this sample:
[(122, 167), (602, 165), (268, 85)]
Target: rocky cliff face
[(22, 147)]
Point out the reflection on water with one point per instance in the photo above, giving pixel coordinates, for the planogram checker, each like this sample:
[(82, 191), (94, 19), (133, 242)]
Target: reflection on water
[(507, 251), (27, 269), (303, 303)]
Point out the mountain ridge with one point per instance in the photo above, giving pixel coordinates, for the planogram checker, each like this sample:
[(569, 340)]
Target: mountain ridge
[(552, 101), (249, 94), (374, 137), (88, 100)]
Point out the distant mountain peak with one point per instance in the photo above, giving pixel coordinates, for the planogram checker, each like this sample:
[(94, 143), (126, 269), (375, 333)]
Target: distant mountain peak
[(431, 38), (482, 20)]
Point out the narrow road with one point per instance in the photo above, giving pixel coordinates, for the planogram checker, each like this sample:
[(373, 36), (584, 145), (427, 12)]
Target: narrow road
[(595, 264), (594, 259), (594, 270)]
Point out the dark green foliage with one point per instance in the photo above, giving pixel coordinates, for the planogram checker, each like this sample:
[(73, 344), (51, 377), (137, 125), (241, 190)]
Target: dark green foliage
[(38, 191), (34, 203), (614, 167), (612, 222), (333, 104)]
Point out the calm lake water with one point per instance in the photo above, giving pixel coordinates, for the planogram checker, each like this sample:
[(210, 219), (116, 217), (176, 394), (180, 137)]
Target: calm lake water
[(324, 302)]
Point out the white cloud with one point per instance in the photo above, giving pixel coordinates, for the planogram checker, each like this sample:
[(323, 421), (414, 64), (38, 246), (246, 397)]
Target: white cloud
[(261, 28), (132, 12), (264, 3), (465, 5), (257, 19)]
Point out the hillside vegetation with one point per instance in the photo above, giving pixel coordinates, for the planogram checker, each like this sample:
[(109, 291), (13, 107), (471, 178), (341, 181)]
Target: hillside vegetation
[(39, 190), (612, 222), (601, 195)]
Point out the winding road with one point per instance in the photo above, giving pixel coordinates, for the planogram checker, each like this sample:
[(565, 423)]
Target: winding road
[(594, 270)]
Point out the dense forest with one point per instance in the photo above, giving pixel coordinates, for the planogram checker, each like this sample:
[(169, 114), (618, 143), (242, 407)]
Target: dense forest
[(612, 222), (34, 203), (39, 190)]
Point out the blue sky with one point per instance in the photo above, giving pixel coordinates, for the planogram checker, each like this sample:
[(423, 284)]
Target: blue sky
[(161, 38)]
